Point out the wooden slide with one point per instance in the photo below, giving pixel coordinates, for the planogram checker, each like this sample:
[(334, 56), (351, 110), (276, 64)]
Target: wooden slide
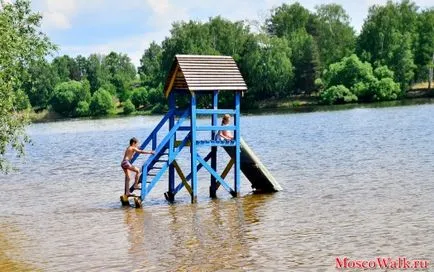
[(254, 170)]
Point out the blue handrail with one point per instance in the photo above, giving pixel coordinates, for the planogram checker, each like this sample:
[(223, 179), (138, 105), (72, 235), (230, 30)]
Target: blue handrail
[(152, 136)]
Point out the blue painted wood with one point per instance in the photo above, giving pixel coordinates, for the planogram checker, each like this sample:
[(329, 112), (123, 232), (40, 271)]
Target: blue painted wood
[(212, 143), (188, 177), (215, 111), (144, 191), (150, 137), (172, 106), (208, 128), (215, 174), (237, 135), (193, 149), (214, 122)]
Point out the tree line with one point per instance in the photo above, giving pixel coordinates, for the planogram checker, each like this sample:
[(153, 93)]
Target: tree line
[(294, 51), (297, 51)]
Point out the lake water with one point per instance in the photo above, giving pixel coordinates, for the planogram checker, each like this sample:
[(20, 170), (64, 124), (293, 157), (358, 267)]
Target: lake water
[(357, 183)]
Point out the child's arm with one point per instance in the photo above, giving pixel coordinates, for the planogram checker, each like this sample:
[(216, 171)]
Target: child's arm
[(144, 151)]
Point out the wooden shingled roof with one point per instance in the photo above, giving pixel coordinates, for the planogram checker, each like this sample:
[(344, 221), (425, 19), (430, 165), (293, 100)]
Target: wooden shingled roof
[(204, 73)]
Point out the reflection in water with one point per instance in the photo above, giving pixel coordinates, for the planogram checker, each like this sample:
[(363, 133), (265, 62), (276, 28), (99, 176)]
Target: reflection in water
[(356, 183), (219, 229)]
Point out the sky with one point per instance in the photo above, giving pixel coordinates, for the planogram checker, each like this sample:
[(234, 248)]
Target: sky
[(129, 26)]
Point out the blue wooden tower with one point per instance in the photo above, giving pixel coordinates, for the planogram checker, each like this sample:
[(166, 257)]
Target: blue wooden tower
[(193, 88)]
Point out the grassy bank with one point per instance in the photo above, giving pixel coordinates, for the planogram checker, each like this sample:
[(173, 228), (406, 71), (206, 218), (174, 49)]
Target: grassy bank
[(419, 94)]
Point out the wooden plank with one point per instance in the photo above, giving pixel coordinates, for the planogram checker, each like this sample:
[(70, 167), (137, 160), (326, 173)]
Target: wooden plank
[(182, 176), (216, 82), (201, 65), (254, 170), (215, 86), (181, 56), (210, 62), (197, 89), (219, 74)]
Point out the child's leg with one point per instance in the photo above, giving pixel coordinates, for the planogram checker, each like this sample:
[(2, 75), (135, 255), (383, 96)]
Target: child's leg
[(136, 180), (127, 182)]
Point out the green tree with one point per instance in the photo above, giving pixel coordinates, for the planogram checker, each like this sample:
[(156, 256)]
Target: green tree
[(21, 45), (288, 19), (39, 84), (95, 72), (82, 109), (337, 95), (270, 71), (67, 96), (424, 48), (358, 79), (334, 35), (129, 107), (139, 97), (228, 38), (101, 103), (121, 72), (387, 37), (150, 69), (305, 59), (297, 25), (186, 38), (67, 68)]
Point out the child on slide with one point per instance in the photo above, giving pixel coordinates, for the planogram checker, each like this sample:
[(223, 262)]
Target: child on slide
[(127, 166)]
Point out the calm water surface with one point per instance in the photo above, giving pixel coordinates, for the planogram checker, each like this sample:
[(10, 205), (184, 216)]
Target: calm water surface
[(357, 183)]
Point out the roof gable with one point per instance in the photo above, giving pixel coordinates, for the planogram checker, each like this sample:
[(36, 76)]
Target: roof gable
[(204, 73)]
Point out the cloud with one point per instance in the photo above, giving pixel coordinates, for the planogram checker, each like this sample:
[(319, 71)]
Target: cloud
[(58, 14)]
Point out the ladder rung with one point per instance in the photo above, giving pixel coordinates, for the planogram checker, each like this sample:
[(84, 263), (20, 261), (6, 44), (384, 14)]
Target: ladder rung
[(151, 175), (156, 167), (162, 160)]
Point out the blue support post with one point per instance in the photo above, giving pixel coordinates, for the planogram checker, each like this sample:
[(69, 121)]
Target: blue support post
[(237, 174), (193, 149), (171, 188), (213, 187)]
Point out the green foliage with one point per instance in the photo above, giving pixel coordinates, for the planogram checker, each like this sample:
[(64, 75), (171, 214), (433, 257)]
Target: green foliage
[(21, 101), (337, 95), (101, 103), (305, 59), (386, 89), (424, 47), (129, 107), (67, 95), (349, 71), (39, 84), (359, 80), (334, 35), (155, 96), (271, 70), (387, 38), (110, 88), (82, 109), (287, 19), (120, 72), (150, 69), (383, 72), (21, 44), (139, 97)]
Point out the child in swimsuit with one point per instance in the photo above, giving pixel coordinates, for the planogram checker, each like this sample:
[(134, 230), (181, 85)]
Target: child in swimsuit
[(225, 134), (127, 166)]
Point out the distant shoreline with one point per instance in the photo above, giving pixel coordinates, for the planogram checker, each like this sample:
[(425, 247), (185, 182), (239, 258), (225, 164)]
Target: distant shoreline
[(293, 104)]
